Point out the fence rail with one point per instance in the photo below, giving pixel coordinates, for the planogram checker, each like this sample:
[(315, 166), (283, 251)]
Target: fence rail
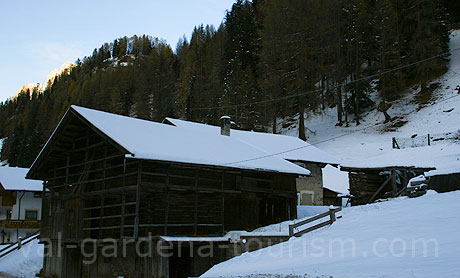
[(424, 140), (331, 213), (18, 245)]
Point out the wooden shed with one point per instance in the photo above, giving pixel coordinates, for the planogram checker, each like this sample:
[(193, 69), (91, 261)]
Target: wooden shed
[(368, 184), (111, 177)]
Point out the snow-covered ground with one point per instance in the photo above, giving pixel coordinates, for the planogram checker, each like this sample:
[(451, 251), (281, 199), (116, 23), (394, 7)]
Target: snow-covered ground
[(371, 142), (399, 238), (368, 139), (25, 262)]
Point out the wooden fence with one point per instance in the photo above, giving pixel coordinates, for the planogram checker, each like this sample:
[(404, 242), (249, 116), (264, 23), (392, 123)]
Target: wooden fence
[(332, 218), (18, 245), (424, 140)]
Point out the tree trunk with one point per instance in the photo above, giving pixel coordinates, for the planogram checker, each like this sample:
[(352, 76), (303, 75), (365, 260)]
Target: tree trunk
[(383, 107), (323, 105), (339, 106), (357, 104), (302, 120), (346, 112)]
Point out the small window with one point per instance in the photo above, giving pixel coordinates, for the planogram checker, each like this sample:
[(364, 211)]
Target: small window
[(307, 197), (31, 215)]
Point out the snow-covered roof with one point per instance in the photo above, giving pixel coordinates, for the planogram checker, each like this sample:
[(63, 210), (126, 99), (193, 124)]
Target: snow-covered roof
[(14, 179), (287, 147), (454, 169), (441, 157), (156, 141), (335, 180)]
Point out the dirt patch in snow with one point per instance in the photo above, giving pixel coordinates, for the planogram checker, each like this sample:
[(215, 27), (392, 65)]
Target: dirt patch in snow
[(4, 275)]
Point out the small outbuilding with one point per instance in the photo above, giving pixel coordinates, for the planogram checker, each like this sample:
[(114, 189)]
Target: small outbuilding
[(444, 180), (388, 174)]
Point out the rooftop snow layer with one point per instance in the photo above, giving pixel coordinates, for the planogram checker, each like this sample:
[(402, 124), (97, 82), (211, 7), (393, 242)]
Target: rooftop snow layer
[(441, 157), (156, 141), (287, 147), (15, 179)]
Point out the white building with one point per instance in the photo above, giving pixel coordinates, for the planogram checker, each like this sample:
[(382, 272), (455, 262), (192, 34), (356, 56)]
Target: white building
[(20, 204)]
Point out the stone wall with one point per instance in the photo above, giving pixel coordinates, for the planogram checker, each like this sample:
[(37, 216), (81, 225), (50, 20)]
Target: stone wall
[(312, 184)]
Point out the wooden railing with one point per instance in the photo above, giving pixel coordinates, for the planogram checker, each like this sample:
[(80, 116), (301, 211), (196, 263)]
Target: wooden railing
[(331, 213), (20, 224), (18, 245)]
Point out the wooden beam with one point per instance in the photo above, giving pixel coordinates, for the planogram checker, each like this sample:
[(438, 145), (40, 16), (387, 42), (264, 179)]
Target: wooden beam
[(101, 213), (138, 199), (110, 206), (393, 183), (379, 189), (162, 187), (196, 203), (122, 224), (167, 203), (223, 202)]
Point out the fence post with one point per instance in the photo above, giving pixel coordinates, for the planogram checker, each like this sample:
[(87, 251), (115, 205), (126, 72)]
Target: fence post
[(19, 242), (395, 143), (291, 230), (332, 214)]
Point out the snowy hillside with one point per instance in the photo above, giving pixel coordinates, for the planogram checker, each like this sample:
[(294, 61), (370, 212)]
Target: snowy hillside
[(371, 141), (372, 137), (395, 239)]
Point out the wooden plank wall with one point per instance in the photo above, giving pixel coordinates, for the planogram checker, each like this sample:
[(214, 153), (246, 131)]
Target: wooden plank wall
[(93, 191)]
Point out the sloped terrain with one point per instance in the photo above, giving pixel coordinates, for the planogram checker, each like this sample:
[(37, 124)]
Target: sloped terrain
[(399, 238), (24, 263)]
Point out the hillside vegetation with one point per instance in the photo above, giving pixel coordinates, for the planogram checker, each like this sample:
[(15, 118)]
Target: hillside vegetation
[(268, 60)]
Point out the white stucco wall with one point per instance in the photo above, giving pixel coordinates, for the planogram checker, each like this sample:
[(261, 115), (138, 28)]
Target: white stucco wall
[(3, 211), (28, 202)]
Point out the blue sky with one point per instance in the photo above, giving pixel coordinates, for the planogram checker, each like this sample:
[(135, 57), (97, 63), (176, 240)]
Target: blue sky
[(39, 36)]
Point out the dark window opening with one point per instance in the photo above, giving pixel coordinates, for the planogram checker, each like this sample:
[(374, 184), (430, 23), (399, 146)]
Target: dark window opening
[(31, 215)]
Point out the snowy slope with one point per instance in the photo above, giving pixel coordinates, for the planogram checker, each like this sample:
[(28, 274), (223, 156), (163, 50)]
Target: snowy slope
[(368, 139), (25, 262), (370, 143), (382, 240)]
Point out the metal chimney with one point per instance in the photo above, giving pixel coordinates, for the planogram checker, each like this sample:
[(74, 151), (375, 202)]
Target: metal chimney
[(225, 123)]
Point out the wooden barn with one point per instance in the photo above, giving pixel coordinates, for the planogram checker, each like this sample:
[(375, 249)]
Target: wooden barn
[(309, 188), (114, 178)]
